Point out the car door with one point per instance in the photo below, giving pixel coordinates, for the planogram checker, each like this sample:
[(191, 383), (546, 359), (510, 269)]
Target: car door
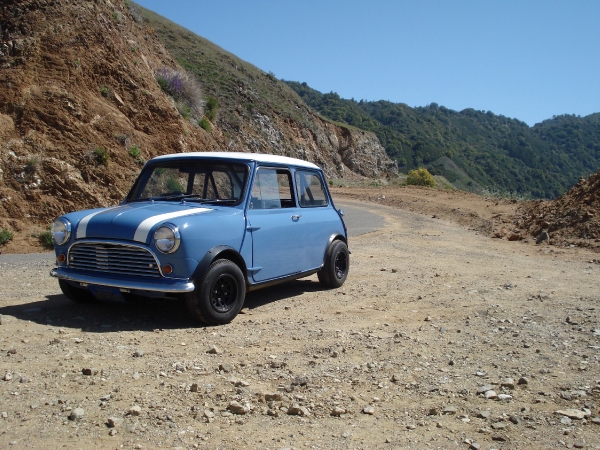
[(275, 223), (320, 220)]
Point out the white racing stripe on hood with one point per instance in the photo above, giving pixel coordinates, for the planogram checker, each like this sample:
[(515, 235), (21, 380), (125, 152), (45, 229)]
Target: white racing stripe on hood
[(82, 227), (141, 234)]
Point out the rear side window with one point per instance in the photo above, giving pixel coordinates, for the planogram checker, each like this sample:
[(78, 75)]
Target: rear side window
[(311, 192), (272, 189)]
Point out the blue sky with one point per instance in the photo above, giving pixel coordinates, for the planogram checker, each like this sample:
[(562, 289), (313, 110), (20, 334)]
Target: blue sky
[(526, 59)]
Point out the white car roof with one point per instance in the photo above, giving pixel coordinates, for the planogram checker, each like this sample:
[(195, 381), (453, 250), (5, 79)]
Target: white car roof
[(259, 157)]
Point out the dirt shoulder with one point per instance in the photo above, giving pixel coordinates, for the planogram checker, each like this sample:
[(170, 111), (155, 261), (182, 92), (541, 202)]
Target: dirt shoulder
[(441, 337)]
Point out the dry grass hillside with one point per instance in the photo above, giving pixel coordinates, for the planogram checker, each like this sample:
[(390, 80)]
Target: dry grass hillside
[(81, 110)]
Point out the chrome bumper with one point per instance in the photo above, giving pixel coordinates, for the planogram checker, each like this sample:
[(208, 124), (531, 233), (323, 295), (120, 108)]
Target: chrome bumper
[(165, 285)]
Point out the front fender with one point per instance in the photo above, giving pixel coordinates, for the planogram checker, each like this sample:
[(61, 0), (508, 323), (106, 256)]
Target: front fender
[(218, 252)]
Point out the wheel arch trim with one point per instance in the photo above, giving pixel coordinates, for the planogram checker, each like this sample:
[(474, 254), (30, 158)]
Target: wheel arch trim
[(220, 251)]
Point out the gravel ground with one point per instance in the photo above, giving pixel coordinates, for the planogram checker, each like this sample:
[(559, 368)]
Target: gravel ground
[(440, 338)]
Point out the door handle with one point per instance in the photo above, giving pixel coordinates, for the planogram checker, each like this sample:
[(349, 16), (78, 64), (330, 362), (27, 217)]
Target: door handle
[(296, 217)]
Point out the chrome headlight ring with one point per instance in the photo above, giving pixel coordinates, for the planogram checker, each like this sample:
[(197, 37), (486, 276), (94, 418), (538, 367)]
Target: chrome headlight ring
[(167, 238), (61, 231)]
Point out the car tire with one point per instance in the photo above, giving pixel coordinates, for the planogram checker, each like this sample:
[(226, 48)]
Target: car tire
[(75, 294), (220, 296), (336, 266)]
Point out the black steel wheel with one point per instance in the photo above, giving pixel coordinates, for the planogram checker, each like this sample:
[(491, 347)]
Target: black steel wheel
[(220, 296), (335, 268), (223, 293)]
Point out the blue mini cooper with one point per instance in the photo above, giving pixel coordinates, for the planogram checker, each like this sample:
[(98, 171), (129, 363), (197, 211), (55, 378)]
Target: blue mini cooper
[(207, 227)]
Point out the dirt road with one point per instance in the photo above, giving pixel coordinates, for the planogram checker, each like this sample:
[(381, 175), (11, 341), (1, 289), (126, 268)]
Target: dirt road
[(440, 338)]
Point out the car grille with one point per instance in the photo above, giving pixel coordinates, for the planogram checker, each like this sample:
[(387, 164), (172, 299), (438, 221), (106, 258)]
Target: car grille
[(114, 259)]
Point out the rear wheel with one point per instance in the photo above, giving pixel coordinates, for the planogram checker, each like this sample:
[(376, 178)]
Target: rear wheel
[(220, 295), (336, 267), (75, 294)]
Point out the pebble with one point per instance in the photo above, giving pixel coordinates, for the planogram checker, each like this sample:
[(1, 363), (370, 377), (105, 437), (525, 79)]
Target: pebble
[(450, 410), (7, 376), (135, 410), (113, 422), (276, 397), (89, 372), (139, 353), (370, 410), (504, 396), (490, 395), (484, 414), (515, 419), (486, 387), (112, 432), (508, 383), (226, 367), (237, 408), (194, 387), (338, 411), (571, 413), (523, 381), (214, 350), (433, 412), (499, 425), (297, 410), (76, 414)]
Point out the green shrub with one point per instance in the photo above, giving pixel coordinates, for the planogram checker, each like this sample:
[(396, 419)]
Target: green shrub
[(106, 91), (45, 238), (204, 123), (173, 185), (5, 236), (420, 177), (134, 151), (184, 110), (101, 156), (32, 164), (212, 104)]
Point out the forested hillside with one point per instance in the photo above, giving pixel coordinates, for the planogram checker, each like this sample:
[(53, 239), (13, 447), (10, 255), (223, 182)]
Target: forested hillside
[(475, 150)]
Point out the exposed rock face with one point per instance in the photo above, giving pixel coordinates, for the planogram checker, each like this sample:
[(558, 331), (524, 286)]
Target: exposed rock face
[(339, 151), (79, 77)]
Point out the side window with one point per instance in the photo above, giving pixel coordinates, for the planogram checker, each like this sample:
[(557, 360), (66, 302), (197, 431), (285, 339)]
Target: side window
[(272, 189), (310, 189)]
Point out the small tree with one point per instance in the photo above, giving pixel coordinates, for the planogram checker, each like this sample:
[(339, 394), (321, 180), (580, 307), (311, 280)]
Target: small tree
[(420, 177)]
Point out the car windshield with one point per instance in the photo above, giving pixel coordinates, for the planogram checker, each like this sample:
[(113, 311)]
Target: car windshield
[(200, 181)]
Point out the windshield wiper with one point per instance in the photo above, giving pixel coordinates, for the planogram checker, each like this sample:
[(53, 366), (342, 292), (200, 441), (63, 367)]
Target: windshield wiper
[(174, 196), (216, 200)]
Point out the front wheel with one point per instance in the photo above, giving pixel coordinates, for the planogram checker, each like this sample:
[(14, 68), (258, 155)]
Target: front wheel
[(220, 295), (336, 266)]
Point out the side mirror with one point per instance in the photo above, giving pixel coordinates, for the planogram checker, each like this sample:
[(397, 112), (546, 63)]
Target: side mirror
[(341, 211)]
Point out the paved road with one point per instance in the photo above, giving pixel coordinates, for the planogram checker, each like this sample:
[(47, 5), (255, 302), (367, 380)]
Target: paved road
[(359, 221)]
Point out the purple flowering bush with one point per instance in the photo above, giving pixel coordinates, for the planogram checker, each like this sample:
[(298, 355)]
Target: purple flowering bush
[(184, 89)]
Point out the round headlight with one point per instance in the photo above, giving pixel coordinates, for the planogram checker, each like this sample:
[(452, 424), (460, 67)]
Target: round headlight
[(167, 238), (61, 231)]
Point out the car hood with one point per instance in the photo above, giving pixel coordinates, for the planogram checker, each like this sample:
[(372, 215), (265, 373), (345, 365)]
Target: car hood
[(133, 221)]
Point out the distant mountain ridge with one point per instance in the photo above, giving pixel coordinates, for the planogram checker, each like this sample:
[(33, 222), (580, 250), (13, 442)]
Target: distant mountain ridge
[(492, 152)]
